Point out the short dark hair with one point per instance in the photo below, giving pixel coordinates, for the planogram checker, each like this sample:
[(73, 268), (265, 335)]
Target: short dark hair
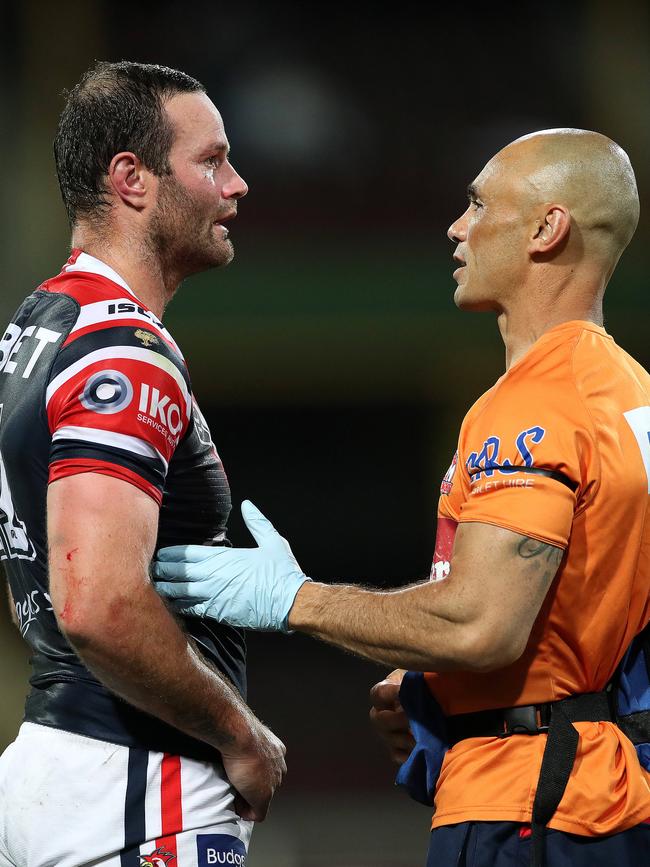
[(114, 107)]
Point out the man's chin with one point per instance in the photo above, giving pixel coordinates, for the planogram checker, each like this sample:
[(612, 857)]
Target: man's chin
[(195, 261), (461, 298), (217, 255), (471, 301), (224, 253)]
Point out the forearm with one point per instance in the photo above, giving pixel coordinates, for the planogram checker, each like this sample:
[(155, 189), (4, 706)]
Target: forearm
[(479, 618), (397, 628), (109, 611), (146, 659)]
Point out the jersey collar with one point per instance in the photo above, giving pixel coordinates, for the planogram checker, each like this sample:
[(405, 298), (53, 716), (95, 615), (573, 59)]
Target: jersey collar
[(80, 261)]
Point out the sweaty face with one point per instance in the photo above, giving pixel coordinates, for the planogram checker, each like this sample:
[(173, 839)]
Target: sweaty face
[(187, 226), (492, 238)]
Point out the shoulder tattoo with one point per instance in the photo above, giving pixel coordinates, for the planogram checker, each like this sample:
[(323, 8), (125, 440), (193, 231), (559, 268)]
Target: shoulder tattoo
[(530, 548)]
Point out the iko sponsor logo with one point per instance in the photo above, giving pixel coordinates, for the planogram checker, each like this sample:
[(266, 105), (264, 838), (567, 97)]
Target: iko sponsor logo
[(12, 343), (220, 849), (107, 392), (157, 411)]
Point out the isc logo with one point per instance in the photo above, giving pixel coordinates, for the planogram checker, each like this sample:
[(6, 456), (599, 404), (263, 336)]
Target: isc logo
[(125, 307), (160, 408)]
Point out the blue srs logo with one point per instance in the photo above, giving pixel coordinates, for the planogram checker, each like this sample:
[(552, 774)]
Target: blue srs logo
[(488, 460), (220, 849)]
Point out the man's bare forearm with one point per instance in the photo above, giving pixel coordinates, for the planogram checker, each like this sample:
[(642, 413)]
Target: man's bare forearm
[(443, 625), (396, 628), (102, 534), (144, 657), (109, 611)]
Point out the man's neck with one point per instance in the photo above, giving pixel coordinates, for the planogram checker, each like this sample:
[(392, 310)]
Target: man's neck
[(136, 265), (521, 327), (549, 297)]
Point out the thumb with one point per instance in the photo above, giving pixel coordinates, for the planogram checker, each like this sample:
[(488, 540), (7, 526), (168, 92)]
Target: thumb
[(261, 529), (385, 696)]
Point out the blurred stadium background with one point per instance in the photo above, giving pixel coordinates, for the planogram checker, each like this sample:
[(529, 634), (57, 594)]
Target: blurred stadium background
[(329, 359)]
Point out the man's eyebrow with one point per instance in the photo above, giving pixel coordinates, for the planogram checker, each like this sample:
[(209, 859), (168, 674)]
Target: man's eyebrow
[(472, 192), (217, 146)]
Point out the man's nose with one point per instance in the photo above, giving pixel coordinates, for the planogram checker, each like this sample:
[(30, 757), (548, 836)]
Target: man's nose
[(235, 187), (457, 232)]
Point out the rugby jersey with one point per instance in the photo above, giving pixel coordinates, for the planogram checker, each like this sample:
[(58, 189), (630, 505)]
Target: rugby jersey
[(577, 407), (91, 381)]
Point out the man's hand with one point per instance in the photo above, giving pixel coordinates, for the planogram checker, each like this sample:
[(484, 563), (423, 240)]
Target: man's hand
[(389, 719), (255, 772), (252, 588)]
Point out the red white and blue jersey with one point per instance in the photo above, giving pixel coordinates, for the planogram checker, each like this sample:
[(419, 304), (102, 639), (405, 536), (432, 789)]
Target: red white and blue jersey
[(91, 381)]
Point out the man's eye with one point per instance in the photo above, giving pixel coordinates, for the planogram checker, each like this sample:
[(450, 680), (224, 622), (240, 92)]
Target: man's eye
[(213, 161), (476, 204)]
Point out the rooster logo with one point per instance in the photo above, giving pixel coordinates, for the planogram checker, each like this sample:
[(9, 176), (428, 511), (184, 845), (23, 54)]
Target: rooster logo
[(146, 337), (158, 858)]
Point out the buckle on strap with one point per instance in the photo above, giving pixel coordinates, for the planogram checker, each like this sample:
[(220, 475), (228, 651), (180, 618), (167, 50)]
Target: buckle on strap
[(529, 719), (532, 719)]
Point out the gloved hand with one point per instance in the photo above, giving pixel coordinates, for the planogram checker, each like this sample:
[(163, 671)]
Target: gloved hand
[(249, 587)]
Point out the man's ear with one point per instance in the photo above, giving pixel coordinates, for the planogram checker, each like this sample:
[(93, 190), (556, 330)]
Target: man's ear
[(130, 179), (551, 229)]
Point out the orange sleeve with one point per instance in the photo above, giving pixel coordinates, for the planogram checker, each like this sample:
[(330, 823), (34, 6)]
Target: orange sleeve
[(526, 460)]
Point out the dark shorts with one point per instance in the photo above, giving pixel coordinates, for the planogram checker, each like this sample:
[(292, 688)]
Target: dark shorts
[(507, 844)]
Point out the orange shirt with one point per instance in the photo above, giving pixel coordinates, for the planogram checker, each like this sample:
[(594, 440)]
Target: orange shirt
[(577, 405)]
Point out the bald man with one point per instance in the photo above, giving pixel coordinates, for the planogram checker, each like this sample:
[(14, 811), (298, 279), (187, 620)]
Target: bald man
[(541, 573)]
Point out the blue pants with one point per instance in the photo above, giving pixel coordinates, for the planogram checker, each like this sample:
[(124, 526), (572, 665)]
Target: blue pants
[(503, 844)]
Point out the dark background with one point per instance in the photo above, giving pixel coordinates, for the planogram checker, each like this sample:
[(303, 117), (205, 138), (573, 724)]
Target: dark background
[(329, 359)]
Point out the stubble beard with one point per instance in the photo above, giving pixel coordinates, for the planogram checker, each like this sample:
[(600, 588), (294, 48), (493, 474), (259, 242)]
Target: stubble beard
[(181, 236)]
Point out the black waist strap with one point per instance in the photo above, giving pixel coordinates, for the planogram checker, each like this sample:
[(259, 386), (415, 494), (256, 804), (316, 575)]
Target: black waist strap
[(555, 719), (530, 719)]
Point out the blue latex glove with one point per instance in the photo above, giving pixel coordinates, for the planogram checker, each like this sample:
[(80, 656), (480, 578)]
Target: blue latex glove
[(252, 588)]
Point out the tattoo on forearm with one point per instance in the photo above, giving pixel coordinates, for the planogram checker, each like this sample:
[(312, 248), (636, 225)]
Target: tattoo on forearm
[(529, 548)]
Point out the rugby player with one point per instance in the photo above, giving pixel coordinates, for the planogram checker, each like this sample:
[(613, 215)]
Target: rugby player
[(137, 746), (541, 573)]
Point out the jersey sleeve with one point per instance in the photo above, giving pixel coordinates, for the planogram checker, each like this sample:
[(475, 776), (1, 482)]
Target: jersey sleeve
[(118, 403), (527, 463)]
